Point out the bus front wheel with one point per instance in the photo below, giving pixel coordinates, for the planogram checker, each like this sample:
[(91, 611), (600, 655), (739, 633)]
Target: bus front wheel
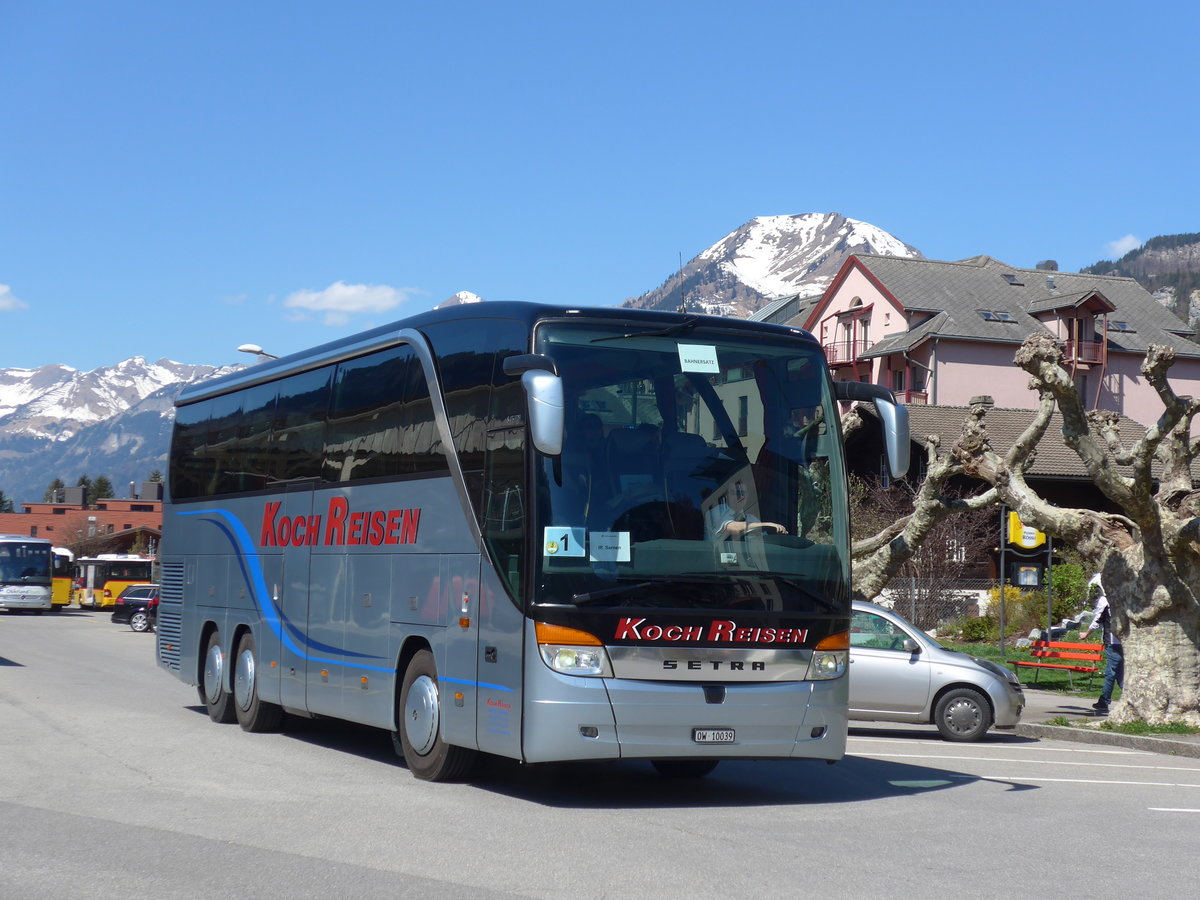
[(216, 699), (253, 713), (418, 735)]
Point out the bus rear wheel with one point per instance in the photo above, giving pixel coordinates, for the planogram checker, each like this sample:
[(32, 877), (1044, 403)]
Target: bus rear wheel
[(418, 735), (213, 695), (253, 713)]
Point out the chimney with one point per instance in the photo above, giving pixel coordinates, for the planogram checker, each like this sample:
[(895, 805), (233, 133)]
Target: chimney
[(984, 400), (1049, 281)]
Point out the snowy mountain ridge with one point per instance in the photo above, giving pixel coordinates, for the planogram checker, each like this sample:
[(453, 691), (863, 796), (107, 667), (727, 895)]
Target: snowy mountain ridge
[(767, 258)]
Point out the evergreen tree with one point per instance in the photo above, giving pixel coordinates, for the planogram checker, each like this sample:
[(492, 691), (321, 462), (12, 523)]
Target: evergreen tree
[(6, 505), (54, 491), (101, 488)]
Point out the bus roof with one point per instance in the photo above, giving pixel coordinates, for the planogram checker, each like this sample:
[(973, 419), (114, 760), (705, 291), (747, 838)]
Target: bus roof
[(528, 313)]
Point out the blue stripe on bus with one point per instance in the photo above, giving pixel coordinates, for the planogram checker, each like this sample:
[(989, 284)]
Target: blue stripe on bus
[(469, 683), (252, 573)]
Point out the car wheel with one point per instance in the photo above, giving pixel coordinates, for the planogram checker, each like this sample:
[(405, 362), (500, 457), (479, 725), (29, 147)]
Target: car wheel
[(139, 621), (418, 735), (253, 713), (684, 768), (213, 695), (963, 714)]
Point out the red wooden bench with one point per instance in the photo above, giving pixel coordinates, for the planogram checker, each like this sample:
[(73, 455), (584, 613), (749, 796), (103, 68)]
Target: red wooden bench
[(1077, 655)]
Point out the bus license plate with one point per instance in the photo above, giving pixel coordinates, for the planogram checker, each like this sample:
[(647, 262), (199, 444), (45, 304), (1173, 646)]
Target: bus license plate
[(712, 735)]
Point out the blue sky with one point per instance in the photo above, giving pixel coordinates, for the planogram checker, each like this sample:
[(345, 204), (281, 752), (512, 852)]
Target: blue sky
[(180, 178)]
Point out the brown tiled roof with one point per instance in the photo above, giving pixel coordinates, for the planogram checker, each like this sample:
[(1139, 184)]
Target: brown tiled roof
[(1053, 459)]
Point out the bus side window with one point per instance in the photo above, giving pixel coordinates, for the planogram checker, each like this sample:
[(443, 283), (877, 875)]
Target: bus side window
[(298, 438), (252, 447), (191, 465), (466, 355), (225, 476), (363, 437), (419, 442)]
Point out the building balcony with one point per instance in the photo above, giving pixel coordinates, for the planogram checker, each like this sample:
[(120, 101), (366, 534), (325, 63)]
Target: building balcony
[(914, 398), (845, 353), (1087, 352)]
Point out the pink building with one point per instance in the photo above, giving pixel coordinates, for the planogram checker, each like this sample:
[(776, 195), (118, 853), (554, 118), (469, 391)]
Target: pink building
[(942, 333)]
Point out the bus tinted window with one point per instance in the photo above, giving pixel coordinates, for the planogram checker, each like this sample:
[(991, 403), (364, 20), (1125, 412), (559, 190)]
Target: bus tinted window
[(466, 353), (299, 433), (253, 443), (222, 444), (363, 439), (190, 467), (420, 444)]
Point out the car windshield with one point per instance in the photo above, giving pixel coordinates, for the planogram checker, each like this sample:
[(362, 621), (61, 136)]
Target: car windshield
[(700, 469)]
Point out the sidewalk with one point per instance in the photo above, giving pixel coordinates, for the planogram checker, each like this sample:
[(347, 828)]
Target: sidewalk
[(1041, 706)]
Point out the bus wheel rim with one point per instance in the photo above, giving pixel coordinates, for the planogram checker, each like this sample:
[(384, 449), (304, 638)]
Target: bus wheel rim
[(421, 714), (243, 679), (212, 673)]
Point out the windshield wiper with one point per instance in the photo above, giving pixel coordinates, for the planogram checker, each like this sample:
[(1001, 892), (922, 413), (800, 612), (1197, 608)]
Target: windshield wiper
[(809, 593), (602, 594), (794, 583), (686, 325)]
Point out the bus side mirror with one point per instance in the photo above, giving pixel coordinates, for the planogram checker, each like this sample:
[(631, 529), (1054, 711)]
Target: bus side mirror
[(544, 391), (893, 415)]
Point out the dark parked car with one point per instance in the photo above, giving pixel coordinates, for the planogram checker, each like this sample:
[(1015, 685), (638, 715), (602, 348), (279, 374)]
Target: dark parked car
[(137, 606)]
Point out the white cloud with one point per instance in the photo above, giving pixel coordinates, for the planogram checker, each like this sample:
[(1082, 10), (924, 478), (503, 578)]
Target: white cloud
[(10, 301), (1117, 249), (340, 301)]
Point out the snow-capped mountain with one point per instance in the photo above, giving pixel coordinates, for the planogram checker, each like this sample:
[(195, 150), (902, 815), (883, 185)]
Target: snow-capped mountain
[(58, 422), (767, 258)]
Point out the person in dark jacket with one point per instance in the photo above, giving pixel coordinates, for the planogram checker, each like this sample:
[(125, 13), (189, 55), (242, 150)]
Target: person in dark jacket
[(1114, 654)]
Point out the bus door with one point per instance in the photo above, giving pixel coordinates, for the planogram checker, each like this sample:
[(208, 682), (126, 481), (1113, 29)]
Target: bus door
[(458, 669), (289, 599), (367, 694)]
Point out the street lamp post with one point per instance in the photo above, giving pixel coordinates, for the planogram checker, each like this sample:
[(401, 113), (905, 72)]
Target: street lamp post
[(256, 350)]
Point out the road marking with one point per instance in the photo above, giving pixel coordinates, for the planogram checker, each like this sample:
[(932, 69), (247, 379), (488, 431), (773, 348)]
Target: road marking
[(1008, 779), (1169, 809), (1044, 762), (908, 742)]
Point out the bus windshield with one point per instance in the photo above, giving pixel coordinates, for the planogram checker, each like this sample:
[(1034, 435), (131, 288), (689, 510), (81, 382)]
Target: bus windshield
[(24, 562), (701, 470)]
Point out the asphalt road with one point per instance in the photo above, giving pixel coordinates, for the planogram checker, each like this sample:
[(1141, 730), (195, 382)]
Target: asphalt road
[(114, 784)]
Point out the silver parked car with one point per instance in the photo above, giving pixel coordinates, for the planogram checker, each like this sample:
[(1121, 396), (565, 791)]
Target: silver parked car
[(898, 673)]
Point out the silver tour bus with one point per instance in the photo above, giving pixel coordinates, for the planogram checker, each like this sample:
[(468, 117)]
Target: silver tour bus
[(538, 532), (25, 579)]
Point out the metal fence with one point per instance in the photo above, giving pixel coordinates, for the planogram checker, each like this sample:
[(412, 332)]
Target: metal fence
[(937, 606)]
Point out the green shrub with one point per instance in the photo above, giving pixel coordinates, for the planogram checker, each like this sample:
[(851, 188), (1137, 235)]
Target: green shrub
[(978, 630)]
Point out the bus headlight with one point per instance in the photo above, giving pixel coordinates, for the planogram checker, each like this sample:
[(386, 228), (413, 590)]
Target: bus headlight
[(572, 652), (830, 657)]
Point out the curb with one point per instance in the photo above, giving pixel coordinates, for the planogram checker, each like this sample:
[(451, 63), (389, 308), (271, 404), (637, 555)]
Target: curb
[(1111, 739)]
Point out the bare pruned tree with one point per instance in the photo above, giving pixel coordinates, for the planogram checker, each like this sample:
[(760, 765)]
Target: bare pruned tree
[(881, 557), (927, 584), (1149, 554)]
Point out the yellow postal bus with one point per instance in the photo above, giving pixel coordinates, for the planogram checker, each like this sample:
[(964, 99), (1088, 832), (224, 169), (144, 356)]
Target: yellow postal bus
[(62, 571), (99, 580)]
